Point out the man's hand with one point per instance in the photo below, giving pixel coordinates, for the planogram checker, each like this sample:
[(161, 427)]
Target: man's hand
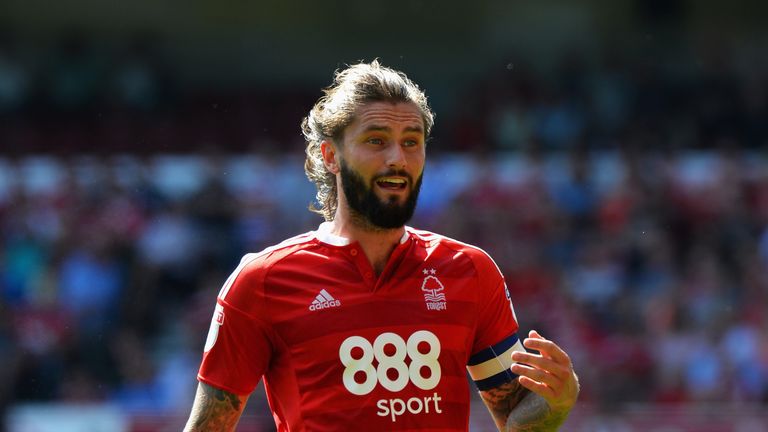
[(549, 374)]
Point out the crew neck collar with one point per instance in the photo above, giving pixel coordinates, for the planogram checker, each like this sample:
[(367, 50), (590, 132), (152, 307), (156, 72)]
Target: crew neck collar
[(324, 234)]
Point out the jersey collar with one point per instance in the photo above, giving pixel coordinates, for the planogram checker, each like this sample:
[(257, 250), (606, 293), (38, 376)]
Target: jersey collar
[(324, 234)]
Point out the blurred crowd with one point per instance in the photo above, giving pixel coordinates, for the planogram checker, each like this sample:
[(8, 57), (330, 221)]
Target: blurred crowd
[(650, 268), (625, 199), (83, 94)]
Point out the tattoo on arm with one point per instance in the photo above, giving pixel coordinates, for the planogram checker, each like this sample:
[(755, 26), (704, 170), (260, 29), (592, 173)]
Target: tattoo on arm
[(534, 414), (502, 399), (215, 410), (515, 408)]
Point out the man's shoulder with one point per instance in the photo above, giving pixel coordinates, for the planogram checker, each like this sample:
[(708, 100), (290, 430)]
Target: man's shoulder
[(432, 239), (480, 258), (253, 267), (269, 256)]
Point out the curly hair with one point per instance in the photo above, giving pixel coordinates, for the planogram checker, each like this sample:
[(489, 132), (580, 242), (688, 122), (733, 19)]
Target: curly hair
[(334, 111)]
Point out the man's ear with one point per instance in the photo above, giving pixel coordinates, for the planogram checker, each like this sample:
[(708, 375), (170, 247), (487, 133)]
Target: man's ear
[(329, 156)]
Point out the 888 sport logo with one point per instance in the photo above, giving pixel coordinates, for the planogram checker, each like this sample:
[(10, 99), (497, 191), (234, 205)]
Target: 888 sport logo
[(393, 362)]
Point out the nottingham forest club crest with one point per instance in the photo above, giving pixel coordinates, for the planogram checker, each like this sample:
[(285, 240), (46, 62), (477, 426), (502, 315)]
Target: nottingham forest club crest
[(433, 290)]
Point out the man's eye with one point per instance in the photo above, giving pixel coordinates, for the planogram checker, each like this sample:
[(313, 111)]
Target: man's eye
[(410, 143), (376, 141)]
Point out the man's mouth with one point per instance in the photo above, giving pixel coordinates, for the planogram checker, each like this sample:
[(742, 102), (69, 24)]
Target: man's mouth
[(392, 183)]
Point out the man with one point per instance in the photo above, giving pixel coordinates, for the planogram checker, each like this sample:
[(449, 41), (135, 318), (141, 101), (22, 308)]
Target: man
[(366, 323)]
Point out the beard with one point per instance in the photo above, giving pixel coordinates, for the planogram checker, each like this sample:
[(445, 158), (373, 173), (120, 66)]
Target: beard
[(369, 208)]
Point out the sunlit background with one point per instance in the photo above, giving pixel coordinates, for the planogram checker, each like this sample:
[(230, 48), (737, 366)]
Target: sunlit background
[(610, 155)]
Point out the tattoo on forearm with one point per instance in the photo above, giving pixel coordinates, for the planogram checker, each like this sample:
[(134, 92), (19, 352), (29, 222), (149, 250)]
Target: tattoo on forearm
[(515, 408), (533, 414), (502, 399), (215, 410)]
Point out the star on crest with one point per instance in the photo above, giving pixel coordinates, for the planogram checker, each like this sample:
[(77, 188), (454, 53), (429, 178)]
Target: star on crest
[(433, 271)]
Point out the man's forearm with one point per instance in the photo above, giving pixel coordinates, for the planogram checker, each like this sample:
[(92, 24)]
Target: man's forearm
[(533, 414), (515, 408), (214, 410)]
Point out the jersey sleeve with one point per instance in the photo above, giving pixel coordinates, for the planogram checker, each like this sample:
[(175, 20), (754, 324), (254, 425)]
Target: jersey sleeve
[(239, 343), (496, 335)]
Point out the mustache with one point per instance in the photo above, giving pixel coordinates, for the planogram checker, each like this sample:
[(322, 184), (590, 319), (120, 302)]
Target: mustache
[(394, 173)]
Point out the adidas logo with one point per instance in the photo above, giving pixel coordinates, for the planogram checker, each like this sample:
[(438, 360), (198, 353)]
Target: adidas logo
[(324, 301)]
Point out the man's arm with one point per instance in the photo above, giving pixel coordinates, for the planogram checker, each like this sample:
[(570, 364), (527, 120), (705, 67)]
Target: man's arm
[(515, 408), (215, 410), (543, 394)]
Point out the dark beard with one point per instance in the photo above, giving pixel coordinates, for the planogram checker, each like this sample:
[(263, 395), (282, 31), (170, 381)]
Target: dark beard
[(369, 208)]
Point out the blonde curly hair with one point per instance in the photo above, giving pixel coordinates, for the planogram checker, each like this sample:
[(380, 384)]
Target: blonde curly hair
[(334, 111)]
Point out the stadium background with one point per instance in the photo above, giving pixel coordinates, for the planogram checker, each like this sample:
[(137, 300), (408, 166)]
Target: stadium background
[(609, 155)]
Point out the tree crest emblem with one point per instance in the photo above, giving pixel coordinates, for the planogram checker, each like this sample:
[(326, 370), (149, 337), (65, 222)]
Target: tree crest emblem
[(433, 290)]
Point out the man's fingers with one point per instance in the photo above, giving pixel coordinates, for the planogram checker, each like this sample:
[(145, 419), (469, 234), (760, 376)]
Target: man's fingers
[(538, 375), (549, 373), (543, 363), (540, 389), (547, 348)]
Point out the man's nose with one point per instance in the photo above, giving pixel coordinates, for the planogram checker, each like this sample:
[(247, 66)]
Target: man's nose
[(396, 156)]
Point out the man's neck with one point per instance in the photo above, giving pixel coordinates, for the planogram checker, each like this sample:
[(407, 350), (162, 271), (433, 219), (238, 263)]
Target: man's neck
[(377, 243)]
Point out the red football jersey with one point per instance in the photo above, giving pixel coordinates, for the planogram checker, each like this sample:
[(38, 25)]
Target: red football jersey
[(340, 348)]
